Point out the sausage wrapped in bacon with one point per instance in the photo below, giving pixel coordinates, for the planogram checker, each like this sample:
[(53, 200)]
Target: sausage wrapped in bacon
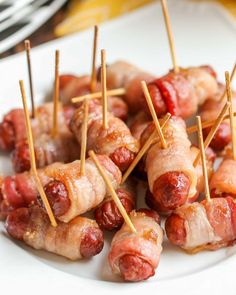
[(63, 148), (206, 225), (108, 215), (171, 176), (135, 256), (116, 141), (181, 93), (210, 158), (13, 129), (69, 193), (80, 238)]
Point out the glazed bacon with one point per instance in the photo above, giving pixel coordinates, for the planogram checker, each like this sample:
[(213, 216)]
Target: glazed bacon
[(123, 74), (13, 129), (206, 225), (69, 193), (72, 86), (116, 141), (80, 238), (181, 93), (107, 213), (210, 111), (63, 148), (172, 178), (135, 256)]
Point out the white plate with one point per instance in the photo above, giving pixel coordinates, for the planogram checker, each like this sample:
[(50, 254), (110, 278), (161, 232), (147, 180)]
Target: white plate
[(204, 34)]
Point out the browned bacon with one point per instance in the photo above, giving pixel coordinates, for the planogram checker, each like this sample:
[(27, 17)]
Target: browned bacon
[(80, 238)]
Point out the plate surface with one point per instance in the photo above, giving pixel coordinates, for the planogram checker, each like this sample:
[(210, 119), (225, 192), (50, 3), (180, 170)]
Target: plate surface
[(204, 34)]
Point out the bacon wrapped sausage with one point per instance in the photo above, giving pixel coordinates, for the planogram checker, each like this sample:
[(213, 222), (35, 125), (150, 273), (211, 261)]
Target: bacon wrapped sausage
[(108, 215), (171, 176), (223, 181), (13, 129), (72, 86), (116, 141), (69, 193), (206, 225), (63, 148), (80, 238), (124, 74), (135, 256), (210, 111), (210, 158), (181, 93)]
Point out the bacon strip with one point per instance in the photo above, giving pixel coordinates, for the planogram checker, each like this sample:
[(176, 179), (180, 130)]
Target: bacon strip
[(74, 240), (206, 225), (145, 246)]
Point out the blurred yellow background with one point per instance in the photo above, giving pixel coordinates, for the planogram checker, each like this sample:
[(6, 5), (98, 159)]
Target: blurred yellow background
[(86, 13)]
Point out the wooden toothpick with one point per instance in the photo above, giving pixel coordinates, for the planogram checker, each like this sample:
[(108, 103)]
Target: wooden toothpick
[(153, 113), (170, 35), (144, 149), (203, 158), (232, 123), (32, 157), (112, 92), (231, 79), (113, 193), (56, 95), (84, 138), (104, 88), (213, 130), (27, 50), (93, 81)]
